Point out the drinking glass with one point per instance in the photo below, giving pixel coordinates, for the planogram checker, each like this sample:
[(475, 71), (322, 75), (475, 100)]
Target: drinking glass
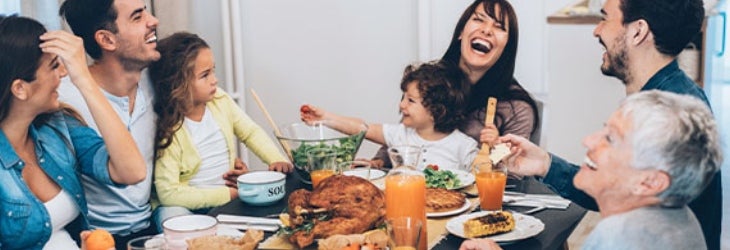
[(322, 164), (356, 168), (404, 232), (405, 187), (405, 155), (491, 180), (149, 242)]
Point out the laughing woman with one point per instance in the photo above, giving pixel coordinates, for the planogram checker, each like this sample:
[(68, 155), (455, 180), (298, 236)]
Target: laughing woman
[(43, 147), (484, 48)]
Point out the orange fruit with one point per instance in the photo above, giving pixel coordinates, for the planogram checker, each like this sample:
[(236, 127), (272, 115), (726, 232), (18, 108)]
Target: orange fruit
[(99, 239), (351, 246)]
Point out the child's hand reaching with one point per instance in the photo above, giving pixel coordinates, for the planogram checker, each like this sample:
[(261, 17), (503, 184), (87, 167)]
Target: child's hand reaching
[(310, 114), (281, 166), (489, 135)]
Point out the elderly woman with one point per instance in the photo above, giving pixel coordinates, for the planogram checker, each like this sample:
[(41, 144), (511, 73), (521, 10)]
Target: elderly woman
[(655, 154)]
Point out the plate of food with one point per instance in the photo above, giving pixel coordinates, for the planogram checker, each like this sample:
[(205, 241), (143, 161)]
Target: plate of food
[(363, 173), (447, 178), (443, 202), (339, 203), (500, 226)]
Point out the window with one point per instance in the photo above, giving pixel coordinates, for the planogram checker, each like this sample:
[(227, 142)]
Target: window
[(8, 7)]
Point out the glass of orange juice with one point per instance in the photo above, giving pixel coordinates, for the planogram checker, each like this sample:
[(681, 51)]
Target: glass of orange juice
[(404, 232), (405, 188), (322, 164), (491, 180)]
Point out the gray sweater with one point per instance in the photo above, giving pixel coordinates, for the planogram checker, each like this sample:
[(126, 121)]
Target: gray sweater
[(648, 228)]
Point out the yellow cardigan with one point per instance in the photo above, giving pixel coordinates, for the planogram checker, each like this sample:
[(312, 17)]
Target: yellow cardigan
[(180, 161)]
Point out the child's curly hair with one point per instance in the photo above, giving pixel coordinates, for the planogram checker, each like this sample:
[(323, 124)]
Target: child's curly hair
[(443, 91)]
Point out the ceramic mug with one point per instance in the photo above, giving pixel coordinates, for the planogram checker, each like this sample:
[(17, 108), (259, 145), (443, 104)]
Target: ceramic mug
[(261, 188), (180, 228)]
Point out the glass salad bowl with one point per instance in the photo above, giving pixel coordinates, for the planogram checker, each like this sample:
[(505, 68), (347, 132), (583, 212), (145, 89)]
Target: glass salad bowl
[(298, 138)]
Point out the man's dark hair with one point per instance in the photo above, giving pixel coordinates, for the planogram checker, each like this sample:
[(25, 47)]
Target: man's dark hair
[(673, 22), (88, 16)]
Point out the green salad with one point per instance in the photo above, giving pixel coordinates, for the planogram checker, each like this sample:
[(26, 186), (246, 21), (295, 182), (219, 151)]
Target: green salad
[(441, 178), (345, 150)]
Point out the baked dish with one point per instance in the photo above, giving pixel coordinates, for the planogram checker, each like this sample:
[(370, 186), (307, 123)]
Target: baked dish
[(339, 205), (249, 241), (442, 200), (492, 223)]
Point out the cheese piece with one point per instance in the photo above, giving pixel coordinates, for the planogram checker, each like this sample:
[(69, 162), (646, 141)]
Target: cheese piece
[(499, 152)]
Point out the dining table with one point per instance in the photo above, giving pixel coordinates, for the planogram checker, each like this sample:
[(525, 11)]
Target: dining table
[(559, 223)]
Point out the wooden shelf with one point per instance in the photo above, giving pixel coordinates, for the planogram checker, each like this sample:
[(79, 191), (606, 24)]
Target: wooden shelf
[(560, 18), (577, 13)]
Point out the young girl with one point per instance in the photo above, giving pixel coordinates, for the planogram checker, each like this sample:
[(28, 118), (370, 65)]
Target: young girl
[(196, 131), (431, 109)]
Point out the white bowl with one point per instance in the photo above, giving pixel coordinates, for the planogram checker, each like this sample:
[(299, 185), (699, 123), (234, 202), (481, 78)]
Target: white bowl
[(261, 188), (180, 228)]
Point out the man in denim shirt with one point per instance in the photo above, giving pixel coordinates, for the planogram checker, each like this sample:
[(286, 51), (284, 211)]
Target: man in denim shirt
[(642, 39)]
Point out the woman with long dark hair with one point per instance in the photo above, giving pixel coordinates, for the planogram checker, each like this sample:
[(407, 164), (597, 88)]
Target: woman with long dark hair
[(44, 147), (483, 49)]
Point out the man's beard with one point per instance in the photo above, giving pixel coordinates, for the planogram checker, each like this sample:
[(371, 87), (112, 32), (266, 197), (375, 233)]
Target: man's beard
[(617, 63)]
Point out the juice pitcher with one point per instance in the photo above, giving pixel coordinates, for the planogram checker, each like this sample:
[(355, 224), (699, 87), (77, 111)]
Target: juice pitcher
[(405, 188)]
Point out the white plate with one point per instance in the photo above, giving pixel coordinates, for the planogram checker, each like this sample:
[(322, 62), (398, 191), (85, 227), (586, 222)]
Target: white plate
[(526, 227), (363, 173), (463, 208), (465, 178)]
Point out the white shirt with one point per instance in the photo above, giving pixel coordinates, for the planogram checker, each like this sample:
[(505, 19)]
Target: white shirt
[(63, 210), (455, 151), (211, 145), (120, 210)]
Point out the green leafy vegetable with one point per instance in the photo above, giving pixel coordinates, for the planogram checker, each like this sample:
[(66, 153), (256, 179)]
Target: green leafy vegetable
[(441, 179), (345, 150)]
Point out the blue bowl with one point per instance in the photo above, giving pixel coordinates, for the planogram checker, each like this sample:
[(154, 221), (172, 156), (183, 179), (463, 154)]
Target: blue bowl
[(261, 188)]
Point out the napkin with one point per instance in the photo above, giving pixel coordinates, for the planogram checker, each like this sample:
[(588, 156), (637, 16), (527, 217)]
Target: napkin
[(248, 222), (535, 200)]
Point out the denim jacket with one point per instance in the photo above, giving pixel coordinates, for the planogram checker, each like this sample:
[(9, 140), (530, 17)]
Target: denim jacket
[(65, 149)]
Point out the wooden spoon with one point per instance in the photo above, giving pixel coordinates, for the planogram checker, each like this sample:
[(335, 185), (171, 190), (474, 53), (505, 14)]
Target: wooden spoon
[(284, 144), (483, 154)]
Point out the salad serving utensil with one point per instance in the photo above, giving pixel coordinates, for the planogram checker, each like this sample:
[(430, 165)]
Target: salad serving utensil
[(287, 149)]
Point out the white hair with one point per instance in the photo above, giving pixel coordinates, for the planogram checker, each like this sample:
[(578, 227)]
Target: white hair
[(676, 134)]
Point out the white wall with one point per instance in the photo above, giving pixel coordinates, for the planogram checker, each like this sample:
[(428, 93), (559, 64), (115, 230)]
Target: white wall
[(344, 56), (348, 56)]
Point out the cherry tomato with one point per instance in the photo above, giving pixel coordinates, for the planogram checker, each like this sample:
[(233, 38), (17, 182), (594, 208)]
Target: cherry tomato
[(433, 166), (305, 109)]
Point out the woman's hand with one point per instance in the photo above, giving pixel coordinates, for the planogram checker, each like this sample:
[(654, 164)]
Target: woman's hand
[(527, 159), (281, 166), (70, 49), (479, 244), (489, 135)]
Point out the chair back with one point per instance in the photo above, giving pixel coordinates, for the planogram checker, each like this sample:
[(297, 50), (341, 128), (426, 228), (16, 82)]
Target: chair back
[(537, 133)]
